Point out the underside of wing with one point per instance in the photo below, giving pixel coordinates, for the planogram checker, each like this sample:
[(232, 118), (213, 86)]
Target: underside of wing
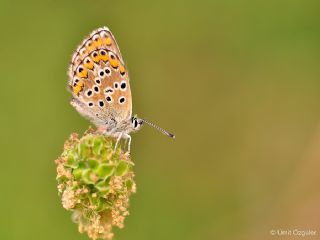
[(98, 79)]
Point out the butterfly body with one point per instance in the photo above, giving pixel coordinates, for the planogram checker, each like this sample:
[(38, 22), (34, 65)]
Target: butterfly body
[(99, 84)]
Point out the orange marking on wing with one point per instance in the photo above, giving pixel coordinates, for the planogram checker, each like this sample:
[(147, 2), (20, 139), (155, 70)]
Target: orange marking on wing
[(107, 41), (104, 57), (89, 65), (97, 42), (122, 69), (90, 46), (114, 63), (78, 87), (83, 73), (95, 57)]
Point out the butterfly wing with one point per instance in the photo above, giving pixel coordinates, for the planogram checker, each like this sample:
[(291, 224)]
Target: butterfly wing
[(99, 81)]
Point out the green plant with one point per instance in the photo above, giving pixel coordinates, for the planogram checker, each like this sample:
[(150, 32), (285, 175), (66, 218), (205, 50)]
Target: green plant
[(95, 182)]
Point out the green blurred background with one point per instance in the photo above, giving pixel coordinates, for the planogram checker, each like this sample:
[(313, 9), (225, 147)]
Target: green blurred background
[(236, 81)]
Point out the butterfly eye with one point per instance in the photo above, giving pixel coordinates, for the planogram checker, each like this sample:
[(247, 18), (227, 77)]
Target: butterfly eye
[(123, 86), (122, 100), (107, 70), (135, 124)]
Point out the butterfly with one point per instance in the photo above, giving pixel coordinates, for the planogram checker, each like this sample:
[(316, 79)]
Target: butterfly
[(99, 84)]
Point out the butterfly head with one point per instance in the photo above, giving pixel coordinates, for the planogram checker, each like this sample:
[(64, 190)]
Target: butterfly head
[(136, 123)]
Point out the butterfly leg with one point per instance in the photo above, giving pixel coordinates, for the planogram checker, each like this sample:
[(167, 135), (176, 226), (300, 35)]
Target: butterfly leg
[(117, 142), (128, 137)]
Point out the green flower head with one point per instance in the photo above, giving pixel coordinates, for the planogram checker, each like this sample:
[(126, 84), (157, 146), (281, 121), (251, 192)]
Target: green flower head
[(95, 182)]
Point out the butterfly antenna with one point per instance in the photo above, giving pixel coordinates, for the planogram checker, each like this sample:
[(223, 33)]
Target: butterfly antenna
[(159, 129)]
